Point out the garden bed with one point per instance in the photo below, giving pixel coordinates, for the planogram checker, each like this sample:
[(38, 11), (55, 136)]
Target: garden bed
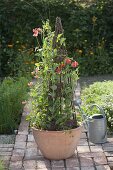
[(99, 90)]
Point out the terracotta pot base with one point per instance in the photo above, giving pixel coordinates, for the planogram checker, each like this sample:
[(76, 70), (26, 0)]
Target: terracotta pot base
[(57, 144)]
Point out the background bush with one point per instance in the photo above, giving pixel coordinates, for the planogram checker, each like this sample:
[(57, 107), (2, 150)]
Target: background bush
[(100, 93), (12, 93), (88, 29)]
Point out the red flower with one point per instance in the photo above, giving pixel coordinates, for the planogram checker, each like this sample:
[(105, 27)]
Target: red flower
[(68, 61), (36, 31), (62, 65), (58, 70), (74, 64)]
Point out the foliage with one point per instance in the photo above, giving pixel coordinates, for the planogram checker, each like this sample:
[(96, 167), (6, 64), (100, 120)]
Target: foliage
[(86, 27), (12, 93), (1, 165), (52, 107), (100, 93)]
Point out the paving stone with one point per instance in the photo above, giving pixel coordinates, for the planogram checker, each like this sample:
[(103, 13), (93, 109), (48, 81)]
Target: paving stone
[(31, 153), (44, 163), (86, 154), (108, 148), (88, 168), (96, 148), (86, 162), (59, 163), (15, 165), (20, 145), (45, 169), (16, 158), (16, 168), (24, 125), (99, 158), (72, 162), (6, 145), (84, 135), (31, 145), (29, 164), (5, 153), (110, 140), (82, 149), (74, 168), (17, 155), (24, 132), (83, 142), (21, 138), (102, 167), (110, 159), (5, 158), (108, 153), (19, 152), (96, 154), (31, 138), (59, 168), (108, 144), (110, 165), (31, 169), (6, 149), (93, 144)]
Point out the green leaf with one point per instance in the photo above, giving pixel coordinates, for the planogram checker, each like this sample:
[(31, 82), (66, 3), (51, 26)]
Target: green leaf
[(54, 87)]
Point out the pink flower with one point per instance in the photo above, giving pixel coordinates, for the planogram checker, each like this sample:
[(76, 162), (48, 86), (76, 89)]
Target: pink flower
[(30, 84), (74, 64), (24, 102), (68, 61), (36, 31), (36, 76), (36, 70), (33, 73)]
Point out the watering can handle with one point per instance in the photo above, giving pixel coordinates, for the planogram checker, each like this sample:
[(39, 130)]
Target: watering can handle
[(100, 108)]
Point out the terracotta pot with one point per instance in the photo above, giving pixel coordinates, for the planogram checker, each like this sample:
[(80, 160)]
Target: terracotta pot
[(57, 144)]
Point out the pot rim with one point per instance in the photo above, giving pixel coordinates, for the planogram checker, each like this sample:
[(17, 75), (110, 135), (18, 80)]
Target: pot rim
[(58, 131)]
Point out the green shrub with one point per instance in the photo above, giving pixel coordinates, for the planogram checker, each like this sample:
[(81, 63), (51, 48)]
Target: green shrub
[(86, 28), (12, 93), (100, 93)]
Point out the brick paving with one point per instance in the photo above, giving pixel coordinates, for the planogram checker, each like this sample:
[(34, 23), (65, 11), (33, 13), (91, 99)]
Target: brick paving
[(25, 155)]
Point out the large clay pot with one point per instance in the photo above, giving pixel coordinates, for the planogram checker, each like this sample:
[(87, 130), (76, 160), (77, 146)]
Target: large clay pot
[(57, 144)]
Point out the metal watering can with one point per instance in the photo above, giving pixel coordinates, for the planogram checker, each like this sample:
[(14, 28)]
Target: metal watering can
[(95, 124)]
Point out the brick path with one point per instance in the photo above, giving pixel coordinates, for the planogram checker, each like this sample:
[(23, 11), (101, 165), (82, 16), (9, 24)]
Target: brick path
[(24, 154)]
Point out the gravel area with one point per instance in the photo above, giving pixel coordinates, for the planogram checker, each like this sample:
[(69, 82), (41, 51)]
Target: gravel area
[(7, 139), (86, 81)]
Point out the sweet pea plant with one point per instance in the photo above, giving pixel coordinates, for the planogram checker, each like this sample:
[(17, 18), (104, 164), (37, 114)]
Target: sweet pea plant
[(57, 74)]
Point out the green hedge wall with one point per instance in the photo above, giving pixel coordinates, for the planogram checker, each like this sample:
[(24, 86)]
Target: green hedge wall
[(88, 30)]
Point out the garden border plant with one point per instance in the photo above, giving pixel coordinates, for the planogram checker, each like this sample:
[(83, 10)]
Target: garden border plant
[(12, 93), (100, 93)]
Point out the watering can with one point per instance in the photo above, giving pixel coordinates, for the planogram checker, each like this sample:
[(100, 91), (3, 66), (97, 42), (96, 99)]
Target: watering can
[(95, 124)]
